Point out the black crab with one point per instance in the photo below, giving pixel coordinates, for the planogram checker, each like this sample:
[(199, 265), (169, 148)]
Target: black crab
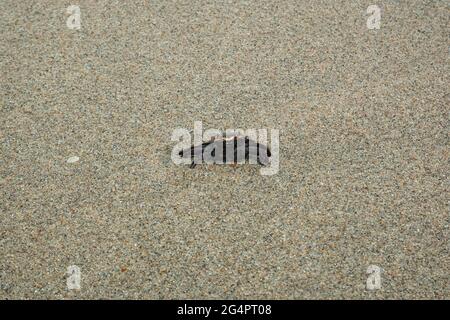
[(230, 150)]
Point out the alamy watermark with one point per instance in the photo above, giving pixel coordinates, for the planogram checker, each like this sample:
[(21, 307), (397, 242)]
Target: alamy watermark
[(374, 20), (374, 280), (234, 146), (74, 277), (74, 20)]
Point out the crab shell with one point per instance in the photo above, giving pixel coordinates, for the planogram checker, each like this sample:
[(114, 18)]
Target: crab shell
[(235, 149)]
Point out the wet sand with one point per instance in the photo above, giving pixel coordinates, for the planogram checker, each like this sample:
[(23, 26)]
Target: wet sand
[(363, 120)]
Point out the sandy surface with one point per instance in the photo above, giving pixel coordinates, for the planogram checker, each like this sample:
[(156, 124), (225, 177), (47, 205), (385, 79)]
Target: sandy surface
[(363, 120)]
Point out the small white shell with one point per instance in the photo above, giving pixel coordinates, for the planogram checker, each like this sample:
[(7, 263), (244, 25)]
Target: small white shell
[(73, 159)]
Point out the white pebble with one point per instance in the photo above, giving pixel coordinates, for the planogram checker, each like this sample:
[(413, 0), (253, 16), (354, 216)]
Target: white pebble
[(73, 159)]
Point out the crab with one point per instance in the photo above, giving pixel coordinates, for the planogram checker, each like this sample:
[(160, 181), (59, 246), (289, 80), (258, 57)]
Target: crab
[(235, 150)]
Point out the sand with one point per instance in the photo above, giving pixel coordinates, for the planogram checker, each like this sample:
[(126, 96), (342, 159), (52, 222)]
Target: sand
[(363, 120)]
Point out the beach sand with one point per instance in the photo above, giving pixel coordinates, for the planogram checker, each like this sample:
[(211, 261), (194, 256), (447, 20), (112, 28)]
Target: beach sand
[(363, 120)]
